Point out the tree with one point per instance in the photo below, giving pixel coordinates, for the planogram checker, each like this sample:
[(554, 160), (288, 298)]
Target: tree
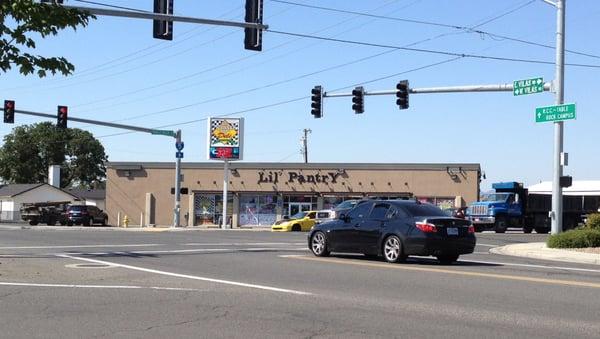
[(19, 19), (29, 150)]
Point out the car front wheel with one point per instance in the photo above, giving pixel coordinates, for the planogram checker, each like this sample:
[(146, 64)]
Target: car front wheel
[(318, 244), (392, 249)]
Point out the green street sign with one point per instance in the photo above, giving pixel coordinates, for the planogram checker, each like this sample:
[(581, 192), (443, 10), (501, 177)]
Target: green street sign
[(555, 113), (528, 86), (163, 132)]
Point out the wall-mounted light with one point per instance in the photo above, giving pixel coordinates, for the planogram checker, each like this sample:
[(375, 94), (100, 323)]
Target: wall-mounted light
[(127, 173), (235, 172), (341, 171), (454, 170)]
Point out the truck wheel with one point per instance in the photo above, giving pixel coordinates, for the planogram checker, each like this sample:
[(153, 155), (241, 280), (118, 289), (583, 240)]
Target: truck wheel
[(51, 222), (527, 229), (87, 222), (541, 230), (501, 225), (33, 222)]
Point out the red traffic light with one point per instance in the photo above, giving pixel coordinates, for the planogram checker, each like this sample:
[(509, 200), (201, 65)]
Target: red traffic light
[(62, 116)]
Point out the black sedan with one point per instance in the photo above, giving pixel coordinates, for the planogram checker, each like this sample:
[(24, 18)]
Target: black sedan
[(394, 229)]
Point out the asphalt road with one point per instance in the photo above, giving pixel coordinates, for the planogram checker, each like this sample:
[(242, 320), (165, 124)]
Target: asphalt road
[(214, 284)]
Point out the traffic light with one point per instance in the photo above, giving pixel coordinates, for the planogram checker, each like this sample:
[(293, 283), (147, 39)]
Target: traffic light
[(317, 102), (358, 100), (402, 94), (253, 36), (62, 115), (9, 111), (163, 29)]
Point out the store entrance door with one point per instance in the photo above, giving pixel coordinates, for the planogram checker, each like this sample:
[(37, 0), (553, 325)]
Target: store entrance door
[(296, 207)]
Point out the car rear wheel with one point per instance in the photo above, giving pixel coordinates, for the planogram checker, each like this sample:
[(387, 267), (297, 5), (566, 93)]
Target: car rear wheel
[(392, 249), (447, 259), (87, 222), (318, 244), (527, 229), (296, 228)]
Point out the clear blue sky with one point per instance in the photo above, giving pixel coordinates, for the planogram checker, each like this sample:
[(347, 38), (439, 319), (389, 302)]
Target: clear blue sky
[(122, 73)]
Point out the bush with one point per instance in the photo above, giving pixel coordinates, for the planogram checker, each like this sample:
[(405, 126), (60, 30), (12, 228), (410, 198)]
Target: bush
[(579, 238), (593, 221)]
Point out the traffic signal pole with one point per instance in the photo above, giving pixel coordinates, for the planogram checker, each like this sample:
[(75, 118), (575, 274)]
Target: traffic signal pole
[(165, 17), (174, 134), (557, 201), (449, 89)]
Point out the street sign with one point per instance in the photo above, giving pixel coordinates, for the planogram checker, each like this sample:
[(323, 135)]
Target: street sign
[(163, 132), (179, 155), (528, 86), (179, 146), (555, 113)]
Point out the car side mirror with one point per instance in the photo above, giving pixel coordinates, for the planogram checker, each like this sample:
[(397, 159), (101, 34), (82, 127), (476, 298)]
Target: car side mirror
[(344, 217)]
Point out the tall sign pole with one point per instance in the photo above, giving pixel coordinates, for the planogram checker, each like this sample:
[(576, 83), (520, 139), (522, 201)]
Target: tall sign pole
[(559, 84), (225, 188), (225, 143)]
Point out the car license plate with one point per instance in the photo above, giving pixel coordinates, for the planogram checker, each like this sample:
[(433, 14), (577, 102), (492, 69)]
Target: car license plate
[(452, 230)]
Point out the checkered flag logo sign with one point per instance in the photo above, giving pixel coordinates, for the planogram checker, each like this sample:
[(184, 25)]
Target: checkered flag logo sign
[(225, 132)]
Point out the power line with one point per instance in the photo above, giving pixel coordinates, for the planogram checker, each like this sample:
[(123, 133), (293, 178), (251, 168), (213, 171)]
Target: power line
[(457, 27), (113, 6), (430, 51)]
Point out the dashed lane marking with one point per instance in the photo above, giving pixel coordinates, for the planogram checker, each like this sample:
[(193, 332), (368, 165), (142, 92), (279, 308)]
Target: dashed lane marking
[(122, 287), (193, 277), (447, 271)]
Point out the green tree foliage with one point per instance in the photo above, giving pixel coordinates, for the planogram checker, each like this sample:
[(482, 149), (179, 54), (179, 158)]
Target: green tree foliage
[(30, 149), (593, 221), (22, 19)]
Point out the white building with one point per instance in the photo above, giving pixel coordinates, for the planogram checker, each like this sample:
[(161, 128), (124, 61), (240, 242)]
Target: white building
[(13, 196)]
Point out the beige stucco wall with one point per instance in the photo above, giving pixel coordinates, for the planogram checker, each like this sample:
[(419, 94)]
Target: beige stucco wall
[(127, 194)]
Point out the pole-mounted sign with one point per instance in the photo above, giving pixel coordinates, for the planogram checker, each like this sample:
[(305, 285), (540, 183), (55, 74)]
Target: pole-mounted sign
[(225, 138)]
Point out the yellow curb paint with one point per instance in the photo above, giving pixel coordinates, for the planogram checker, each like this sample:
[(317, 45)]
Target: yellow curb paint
[(441, 270)]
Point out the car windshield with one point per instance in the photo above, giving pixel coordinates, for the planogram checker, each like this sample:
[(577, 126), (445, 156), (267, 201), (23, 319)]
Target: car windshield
[(76, 208), (424, 210), (495, 197), (298, 215)]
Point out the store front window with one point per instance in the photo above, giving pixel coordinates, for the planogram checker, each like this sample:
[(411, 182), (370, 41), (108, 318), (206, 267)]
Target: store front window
[(293, 204), (258, 210), (208, 209)]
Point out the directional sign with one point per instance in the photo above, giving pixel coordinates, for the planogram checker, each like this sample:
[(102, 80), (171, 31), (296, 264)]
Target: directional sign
[(179, 146), (163, 132), (179, 155), (555, 113), (528, 86)]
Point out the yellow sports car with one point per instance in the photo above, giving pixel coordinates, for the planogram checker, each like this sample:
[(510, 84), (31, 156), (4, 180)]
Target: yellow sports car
[(301, 221)]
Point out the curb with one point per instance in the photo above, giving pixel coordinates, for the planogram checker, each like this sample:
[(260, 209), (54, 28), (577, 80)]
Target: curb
[(538, 250)]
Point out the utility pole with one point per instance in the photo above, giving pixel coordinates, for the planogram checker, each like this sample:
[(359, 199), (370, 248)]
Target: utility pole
[(305, 144), (177, 209), (559, 84)]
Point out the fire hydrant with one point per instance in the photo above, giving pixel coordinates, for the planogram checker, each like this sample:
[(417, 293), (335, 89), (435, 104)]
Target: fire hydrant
[(126, 221)]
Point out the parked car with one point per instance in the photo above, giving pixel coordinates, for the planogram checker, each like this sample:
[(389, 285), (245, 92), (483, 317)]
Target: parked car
[(395, 229), (346, 206), (301, 221), (86, 215)]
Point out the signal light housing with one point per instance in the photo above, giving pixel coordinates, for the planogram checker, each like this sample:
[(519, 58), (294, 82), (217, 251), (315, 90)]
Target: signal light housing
[(253, 36), (402, 91), (9, 111), (163, 29), (358, 100), (317, 102), (62, 116)]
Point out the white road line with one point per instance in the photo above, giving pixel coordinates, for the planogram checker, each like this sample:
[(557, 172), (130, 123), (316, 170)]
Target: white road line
[(532, 266), (186, 276), (101, 286), (200, 250), (76, 246), (243, 243), (489, 263)]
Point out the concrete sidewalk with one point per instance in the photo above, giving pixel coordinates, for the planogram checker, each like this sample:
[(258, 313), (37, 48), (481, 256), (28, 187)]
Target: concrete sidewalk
[(538, 250)]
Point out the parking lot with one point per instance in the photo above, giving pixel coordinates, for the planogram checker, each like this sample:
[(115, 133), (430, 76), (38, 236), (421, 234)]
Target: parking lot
[(96, 283)]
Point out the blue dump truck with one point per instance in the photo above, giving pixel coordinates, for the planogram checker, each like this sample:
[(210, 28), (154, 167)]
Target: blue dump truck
[(511, 205)]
